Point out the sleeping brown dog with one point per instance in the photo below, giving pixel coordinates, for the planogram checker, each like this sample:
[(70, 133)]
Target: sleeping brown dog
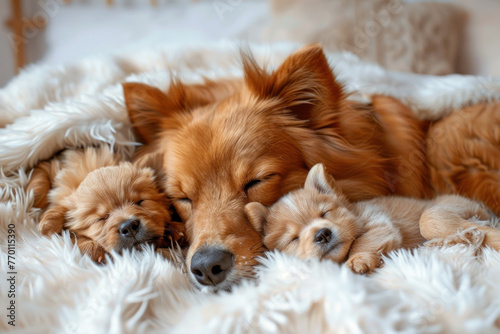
[(106, 203), (225, 144)]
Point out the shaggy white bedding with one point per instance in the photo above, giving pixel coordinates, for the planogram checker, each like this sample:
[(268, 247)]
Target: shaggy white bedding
[(448, 290)]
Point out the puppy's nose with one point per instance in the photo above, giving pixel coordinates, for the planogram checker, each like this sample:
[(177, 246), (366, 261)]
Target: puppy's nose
[(129, 228), (323, 236), (210, 265)]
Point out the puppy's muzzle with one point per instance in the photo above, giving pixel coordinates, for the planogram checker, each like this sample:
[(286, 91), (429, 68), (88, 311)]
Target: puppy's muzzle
[(129, 228), (326, 240), (211, 266), (132, 233), (323, 236)]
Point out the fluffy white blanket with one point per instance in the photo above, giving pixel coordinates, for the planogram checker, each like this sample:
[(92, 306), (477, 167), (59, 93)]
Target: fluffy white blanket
[(448, 290)]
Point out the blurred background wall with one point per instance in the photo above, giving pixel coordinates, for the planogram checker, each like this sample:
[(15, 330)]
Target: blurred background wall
[(455, 36)]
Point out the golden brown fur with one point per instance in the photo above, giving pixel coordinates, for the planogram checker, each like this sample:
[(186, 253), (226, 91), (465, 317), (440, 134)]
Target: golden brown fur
[(256, 139), (360, 233), (42, 177), (92, 193), (464, 154)]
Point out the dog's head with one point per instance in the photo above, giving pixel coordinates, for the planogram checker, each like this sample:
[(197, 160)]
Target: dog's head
[(226, 145), (114, 208), (316, 221)]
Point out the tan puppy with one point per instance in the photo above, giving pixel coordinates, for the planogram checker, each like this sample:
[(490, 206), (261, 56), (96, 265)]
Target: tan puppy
[(319, 222), (106, 203)]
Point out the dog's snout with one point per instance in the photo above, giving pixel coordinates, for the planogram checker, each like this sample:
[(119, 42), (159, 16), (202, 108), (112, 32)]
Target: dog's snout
[(323, 236), (129, 228), (210, 266)]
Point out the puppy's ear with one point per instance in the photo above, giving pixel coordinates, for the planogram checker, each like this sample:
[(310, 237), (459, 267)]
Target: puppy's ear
[(90, 247), (149, 159), (41, 181), (53, 220), (153, 160), (304, 83), (147, 107), (318, 179), (257, 214)]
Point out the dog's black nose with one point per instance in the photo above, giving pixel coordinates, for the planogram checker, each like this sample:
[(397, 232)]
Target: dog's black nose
[(129, 228), (210, 265), (323, 236)]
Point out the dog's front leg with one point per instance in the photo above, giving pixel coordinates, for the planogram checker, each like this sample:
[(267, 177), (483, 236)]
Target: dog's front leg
[(366, 252), (90, 247)]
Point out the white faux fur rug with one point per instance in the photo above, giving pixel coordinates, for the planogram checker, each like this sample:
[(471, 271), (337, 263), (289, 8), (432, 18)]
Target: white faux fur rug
[(44, 109)]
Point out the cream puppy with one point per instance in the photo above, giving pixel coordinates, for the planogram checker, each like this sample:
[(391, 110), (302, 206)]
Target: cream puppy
[(318, 221)]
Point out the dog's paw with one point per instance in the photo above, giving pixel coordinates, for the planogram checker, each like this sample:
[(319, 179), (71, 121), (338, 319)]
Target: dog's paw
[(364, 263), (470, 236)]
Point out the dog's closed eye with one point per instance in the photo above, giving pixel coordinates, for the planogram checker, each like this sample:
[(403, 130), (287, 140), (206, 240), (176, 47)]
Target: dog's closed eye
[(184, 207), (139, 202), (251, 184), (256, 182)]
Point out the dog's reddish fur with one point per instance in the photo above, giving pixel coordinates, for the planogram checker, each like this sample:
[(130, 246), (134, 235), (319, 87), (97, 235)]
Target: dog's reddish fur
[(229, 143), (464, 154)]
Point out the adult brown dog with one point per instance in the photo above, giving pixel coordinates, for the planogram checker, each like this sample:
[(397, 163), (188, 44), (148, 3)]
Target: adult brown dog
[(228, 143)]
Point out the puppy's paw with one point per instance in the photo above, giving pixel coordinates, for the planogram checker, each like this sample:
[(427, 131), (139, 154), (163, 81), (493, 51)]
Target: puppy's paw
[(470, 236), (364, 263), (90, 247), (436, 242)]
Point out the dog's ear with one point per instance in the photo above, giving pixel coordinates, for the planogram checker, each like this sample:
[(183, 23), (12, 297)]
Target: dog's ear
[(147, 107), (304, 83), (150, 109), (90, 247), (53, 220), (257, 214), (320, 180)]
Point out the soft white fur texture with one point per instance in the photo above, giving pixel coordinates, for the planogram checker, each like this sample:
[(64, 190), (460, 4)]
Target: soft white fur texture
[(44, 109)]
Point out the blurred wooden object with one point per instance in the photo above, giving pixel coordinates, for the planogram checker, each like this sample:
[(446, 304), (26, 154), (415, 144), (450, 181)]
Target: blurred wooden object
[(154, 3), (18, 24), (21, 27), (15, 23)]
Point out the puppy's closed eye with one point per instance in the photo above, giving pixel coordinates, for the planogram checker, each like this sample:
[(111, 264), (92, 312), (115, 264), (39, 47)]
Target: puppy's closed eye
[(139, 202), (103, 219)]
